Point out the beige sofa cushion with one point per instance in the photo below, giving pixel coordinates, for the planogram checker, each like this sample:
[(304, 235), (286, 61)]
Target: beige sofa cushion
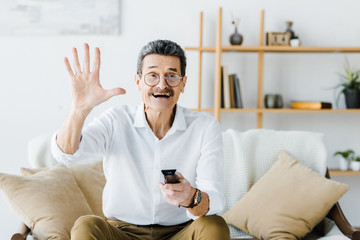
[(90, 179), (49, 201), (286, 203)]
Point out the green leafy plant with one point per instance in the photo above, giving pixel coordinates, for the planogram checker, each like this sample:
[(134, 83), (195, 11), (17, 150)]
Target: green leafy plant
[(349, 155), (349, 80), (356, 159)]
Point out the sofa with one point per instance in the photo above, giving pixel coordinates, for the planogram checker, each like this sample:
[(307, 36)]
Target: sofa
[(276, 186)]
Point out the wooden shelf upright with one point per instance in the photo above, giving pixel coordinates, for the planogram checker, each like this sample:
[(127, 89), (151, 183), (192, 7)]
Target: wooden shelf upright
[(260, 93)]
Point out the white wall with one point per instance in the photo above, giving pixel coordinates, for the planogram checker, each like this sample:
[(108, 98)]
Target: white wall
[(34, 92)]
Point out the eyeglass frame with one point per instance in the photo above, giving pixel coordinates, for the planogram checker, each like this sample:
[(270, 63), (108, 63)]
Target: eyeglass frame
[(181, 79)]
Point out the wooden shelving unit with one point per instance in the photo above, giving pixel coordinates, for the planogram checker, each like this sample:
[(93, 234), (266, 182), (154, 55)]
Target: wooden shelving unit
[(261, 49)]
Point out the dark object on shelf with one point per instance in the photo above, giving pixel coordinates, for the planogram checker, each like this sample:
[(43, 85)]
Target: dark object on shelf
[(236, 38), (352, 97), (273, 101), (311, 105), (237, 89), (289, 29), (277, 38), (294, 40)]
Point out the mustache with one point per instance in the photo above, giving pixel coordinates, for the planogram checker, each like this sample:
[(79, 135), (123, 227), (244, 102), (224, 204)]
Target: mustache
[(159, 91)]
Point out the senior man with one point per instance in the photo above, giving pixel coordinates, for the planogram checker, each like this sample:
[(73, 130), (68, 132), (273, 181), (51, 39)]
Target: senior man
[(137, 143)]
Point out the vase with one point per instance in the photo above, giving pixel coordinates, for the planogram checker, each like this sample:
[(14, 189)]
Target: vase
[(273, 101), (236, 38), (344, 164), (355, 166), (352, 97), (295, 42)]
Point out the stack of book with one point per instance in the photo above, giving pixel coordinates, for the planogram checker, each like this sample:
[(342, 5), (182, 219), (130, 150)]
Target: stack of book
[(230, 90), (311, 105)]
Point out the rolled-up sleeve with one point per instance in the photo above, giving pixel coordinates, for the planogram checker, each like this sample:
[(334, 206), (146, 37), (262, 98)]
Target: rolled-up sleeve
[(92, 144)]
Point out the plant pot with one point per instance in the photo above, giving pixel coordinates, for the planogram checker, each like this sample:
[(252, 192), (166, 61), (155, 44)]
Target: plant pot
[(352, 97), (355, 166), (344, 164)]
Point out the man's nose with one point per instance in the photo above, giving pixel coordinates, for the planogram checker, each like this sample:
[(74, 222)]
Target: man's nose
[(162, 83)]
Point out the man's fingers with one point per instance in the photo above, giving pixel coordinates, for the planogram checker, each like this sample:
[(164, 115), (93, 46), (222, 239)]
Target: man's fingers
[(96, 66), (160, 185), (86, 58), (77, 66), (178, 187), (180, 175), (114, 92), (68, 67)]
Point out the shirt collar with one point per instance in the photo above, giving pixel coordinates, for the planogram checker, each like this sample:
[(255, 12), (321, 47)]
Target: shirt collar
[(178, 124), (140, 119)]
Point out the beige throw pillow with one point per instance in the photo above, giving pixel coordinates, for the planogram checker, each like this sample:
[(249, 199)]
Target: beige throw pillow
[(90, 179), (286, 203), (49, 202)]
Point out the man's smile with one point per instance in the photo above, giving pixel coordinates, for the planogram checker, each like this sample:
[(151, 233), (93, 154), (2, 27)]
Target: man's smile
[(161, 95), (166, 93)]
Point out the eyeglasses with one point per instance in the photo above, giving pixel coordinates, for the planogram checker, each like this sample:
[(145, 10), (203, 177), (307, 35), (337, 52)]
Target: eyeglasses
[(152, 79)]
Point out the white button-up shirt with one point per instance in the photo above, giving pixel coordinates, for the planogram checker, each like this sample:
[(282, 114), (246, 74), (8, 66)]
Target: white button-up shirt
[(133, 158)]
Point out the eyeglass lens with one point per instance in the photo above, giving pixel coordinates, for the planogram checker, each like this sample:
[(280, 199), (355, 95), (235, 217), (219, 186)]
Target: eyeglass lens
[(171, 79)]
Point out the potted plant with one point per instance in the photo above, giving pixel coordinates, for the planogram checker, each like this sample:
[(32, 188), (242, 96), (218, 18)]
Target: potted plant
[(355, 164), (350, 86), (344, 158)]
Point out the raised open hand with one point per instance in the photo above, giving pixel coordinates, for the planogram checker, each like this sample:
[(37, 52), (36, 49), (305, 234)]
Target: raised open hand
[(86, 89)]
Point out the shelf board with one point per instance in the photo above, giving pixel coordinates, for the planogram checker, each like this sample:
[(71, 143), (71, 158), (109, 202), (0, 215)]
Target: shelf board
[(203, 49), (203, 110), (337, 172), (275, 49), (301, 49), (277, 110), (289, 110)]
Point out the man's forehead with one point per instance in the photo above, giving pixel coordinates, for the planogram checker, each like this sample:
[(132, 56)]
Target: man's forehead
[(161, 61)]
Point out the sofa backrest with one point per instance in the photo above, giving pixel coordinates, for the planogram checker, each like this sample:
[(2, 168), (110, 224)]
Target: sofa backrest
[(39, 153), (249, 155)]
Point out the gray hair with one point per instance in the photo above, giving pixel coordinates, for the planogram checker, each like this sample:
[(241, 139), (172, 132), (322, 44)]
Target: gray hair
[(162, 47)]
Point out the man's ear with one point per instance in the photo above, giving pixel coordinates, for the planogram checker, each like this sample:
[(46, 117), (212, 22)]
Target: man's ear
[(137, 81), (184, 83)]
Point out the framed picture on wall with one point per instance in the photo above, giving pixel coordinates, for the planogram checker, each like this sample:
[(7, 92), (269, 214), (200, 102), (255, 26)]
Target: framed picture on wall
[(59, 17)]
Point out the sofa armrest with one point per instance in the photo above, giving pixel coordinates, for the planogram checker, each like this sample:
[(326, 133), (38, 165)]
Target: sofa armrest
[(337, 215), (22, 234)]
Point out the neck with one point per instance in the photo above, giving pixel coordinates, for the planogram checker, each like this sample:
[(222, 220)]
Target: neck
[(160, 122)]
